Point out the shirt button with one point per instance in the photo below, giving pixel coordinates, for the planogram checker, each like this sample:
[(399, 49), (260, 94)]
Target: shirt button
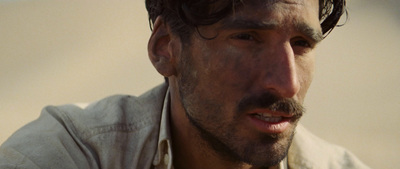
[(166, 159)]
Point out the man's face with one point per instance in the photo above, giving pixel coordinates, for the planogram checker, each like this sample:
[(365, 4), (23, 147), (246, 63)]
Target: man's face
[(243, 89)]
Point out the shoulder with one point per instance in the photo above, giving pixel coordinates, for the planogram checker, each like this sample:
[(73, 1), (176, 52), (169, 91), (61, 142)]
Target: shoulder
[(310, 151), (118, 113), (72, 136)]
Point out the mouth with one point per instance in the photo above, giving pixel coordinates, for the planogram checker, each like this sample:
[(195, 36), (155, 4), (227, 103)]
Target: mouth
[(270, 122), (270, 118)]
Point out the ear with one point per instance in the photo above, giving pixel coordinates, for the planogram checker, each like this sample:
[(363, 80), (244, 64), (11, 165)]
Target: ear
[(159, 48)]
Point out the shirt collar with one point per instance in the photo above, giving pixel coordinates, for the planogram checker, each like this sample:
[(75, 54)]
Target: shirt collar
[(164, 152)]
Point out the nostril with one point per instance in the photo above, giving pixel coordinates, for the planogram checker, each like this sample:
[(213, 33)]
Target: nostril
[(283, 80)]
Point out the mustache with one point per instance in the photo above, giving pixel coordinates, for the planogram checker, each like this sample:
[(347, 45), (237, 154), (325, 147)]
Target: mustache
[(272, 102)]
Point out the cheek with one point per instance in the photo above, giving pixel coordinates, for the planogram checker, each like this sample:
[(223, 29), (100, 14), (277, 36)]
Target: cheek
[(305, 71), (224, 74), (232, 67)]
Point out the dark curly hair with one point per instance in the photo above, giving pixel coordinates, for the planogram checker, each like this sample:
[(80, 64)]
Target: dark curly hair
[(183, 16)]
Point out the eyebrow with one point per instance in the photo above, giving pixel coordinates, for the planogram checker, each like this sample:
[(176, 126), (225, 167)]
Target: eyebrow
[(248, 24), (302, 27), (307, 30)]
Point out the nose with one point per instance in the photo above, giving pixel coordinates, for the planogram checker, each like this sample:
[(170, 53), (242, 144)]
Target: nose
[(281, 76)]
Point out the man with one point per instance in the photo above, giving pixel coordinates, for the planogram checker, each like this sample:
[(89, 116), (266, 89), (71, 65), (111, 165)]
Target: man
[(236, 76)]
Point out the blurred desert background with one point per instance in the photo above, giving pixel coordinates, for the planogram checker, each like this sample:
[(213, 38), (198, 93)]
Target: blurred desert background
[(55, 52)]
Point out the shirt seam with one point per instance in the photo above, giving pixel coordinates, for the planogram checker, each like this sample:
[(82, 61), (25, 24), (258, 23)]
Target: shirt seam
[(91, 132)]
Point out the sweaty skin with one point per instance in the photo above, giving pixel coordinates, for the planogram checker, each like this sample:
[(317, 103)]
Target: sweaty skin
[(225, 90)]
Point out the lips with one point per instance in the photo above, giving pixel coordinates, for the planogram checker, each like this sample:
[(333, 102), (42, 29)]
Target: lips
[(270, 122), (269, 118)]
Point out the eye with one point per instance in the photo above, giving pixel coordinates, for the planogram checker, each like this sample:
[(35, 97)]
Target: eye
[(244, 36), (302, 43)]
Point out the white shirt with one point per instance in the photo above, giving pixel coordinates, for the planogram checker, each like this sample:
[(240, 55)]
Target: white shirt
[(127, 132)]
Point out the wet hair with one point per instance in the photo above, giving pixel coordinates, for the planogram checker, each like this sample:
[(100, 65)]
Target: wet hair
[(184, 16)]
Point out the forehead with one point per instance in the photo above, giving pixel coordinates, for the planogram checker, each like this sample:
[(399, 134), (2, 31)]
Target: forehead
[(295, 15), (308, 9), (272, 4)]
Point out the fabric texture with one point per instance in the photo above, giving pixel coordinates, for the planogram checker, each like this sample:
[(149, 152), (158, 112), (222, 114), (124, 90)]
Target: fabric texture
[(127, 132)]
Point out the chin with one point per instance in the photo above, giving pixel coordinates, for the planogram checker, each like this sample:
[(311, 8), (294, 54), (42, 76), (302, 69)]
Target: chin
[(268, 151)]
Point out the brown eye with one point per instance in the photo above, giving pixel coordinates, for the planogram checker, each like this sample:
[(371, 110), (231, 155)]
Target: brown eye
[(244, 36), (302, 43)]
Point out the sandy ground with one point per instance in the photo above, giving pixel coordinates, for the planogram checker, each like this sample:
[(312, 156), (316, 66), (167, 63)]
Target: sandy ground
[(57, 52)]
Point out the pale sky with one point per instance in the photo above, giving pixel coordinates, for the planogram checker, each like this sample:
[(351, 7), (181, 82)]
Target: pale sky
[(59, 52)]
